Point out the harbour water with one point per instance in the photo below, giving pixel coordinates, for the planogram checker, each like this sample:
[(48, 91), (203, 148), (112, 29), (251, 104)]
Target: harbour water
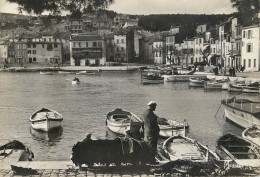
[(84, 108)]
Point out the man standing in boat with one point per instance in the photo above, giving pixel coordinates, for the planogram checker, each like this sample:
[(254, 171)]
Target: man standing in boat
[(151, 128)]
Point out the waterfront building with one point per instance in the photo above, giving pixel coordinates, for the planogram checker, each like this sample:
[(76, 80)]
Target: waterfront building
[(198, 48), (236, 43), (251, 48), (109, 42), (87, 50), (76, 25), (170, 43), (187, 52), (3, 52), (124, 45), (159, 49), (201, 28)]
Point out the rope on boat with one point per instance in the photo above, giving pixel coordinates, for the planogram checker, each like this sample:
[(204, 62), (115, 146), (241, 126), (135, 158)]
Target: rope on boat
[(217, 110)]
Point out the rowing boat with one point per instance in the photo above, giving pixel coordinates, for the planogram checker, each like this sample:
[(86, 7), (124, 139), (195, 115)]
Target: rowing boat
[(252, 134)]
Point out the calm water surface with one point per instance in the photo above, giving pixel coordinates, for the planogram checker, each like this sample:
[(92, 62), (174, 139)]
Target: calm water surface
[(84, 108)]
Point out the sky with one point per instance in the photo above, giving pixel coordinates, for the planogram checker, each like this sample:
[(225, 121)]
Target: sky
[(146, 7)]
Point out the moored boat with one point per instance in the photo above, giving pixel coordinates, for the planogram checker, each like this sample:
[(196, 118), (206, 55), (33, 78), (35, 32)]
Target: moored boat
[(251, 88), (172, 128), (65, 72), (243, 112), (45, 119), (118, 121), (236, 87), (197, 81), (238, 149), (216, 85), (88, 72), (184, 148), (46, 73), (252, 134), (151, 79)]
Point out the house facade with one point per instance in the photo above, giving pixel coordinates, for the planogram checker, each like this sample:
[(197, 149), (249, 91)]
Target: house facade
[(251, 48), (87, 50)]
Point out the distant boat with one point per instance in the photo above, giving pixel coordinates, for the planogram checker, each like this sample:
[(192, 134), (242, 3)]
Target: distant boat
[(65, 72), (118, 121), (45, 119), (251, 88), (46, 73), (197, 81), (236, 87), (75, 82), (88, 72), (252, 134), (216, 85), (184, 148), (151, 78), (172, 128), (238, 149), (243, 112)]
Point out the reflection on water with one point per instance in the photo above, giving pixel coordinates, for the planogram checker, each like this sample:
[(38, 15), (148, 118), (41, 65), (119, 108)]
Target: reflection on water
[(53, 135)]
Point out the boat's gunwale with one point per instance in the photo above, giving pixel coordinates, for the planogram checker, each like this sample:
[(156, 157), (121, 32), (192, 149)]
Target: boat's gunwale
[(51, 119)]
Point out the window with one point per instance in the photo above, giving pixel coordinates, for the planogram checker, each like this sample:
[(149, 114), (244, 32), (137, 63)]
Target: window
[(94, 44), (122, 49), (42, 45), (74, 44), (117, 49), (29, 45), (249, 34), (99, 44), (29, 51), (86, 44), (254, 62), (55, 45), (34, 45), (249, 48), (122, 40), (79, 44), (244, 34), (44, 39), (34, 51), (117, 41), (49, 39), (34, 59), (249, 62)]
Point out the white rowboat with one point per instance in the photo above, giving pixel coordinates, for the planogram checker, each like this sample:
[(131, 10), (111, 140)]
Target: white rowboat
[(252, 134), (45, 119)]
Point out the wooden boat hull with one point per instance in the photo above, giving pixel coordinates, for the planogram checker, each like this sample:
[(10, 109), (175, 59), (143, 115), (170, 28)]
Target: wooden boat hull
[(236, 87), (238, 149), (173, 128), (212, 86), (196, 82), (120, 126), (248, 89), (46, 120), (46, 125), (183, 148), (148, 81), (242, 117), (46, 73), (252, 134)]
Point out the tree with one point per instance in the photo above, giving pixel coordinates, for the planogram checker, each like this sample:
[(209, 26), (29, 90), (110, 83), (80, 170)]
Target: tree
[(55, 7), (247, 10), (206, 53)]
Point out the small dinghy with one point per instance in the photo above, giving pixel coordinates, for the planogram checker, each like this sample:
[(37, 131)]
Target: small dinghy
[(118, 121), (151, 78), (86, 73), (46, 73), (252, 134), (46, 119), (238, 149), (197, 81), (184, 148), (171, 128)]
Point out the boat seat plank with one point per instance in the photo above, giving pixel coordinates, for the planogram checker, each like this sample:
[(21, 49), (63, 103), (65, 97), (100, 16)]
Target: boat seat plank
[(244, 153), (238, 145)]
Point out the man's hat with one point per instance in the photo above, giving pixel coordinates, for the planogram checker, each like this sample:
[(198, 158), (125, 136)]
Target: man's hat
[(151, 103)]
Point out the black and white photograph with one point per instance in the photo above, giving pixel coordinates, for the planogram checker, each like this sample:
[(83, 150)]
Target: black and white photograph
[(129, 88)]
